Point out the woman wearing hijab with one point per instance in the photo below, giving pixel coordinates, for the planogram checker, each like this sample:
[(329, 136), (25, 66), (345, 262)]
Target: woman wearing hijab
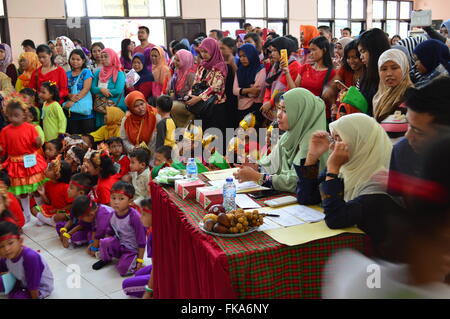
[(393, 66), (157, 63), (280, 74), (145, 82), (113, 120), (64, 46), (180, 85), (6, 65), (307, 33), (339, 51), (445, 29), (432, 60), (28, 62), (300, 114), (109, 82), (249, 82), (350, 193), (209, 86), (138, 127)]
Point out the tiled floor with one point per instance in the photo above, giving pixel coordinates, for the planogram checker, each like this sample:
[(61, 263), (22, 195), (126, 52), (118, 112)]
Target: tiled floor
[(105, 283)]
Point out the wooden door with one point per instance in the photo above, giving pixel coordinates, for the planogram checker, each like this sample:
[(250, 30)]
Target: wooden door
[(177, 29), (71, 28)]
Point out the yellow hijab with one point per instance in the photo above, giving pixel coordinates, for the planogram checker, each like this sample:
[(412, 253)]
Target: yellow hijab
[(33, 64), (114, 117)]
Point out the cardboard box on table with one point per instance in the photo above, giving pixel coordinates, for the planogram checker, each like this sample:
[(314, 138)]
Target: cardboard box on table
[(209, 196), (186, 188)]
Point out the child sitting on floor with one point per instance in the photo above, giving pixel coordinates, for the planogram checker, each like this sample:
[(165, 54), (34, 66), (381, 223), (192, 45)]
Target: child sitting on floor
[(80, 185), (127, 241), (141, 284), (52, 149), (54, 194), (93, 221), (12, 211), (28, 275), (74, 156), (163, 158), (118, 154), (140, 173)]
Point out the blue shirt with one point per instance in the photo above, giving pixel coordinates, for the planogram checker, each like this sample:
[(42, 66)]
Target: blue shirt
[(71, 80)]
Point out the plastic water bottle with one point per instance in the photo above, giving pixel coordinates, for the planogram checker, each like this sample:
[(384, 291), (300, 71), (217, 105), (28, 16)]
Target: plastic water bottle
[(229, 195), (191, 169)]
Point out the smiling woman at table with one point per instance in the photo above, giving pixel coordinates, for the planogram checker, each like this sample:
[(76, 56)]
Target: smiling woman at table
[(300, 114), (351, 188)]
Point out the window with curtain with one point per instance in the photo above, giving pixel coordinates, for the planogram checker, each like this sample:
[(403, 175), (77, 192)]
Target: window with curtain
[(272, 14), (113, 20), (340, 14), (392, 16)]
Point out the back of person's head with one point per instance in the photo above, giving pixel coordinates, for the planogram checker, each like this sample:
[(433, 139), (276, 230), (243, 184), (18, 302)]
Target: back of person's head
[(29, 43), (323, 44), (141, 155), (173, 43), (123, 187), (44, 48), (218, 33), (4, 178), (146, 203), (375, 42), (103, 161), (83, 181), (82, 205), (81, 54), (179, 46), (30, 92), (52, 88), (124, 53), (432, 99), (164, 102), (79, 154), (166, 151), (295, 40), (65, 172)]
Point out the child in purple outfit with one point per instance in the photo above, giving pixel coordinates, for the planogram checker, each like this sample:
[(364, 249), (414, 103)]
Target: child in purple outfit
[(127, 241), (34, 279), (71, 231), (93, 218)]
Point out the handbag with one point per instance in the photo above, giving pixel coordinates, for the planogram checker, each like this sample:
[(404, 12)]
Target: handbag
[(83, 106), (101, 103), (202, 109)]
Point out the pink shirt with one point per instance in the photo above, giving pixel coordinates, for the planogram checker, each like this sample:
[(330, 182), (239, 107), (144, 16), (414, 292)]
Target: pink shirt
[(246, 102), (140, 49)]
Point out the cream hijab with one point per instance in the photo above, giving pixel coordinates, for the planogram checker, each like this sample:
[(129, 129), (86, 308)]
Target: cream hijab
[(370, 152), (386, 99)]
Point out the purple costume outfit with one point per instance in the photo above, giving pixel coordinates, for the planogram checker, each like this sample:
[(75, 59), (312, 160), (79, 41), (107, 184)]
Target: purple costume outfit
[(129, 236), (99, 226), (32, 273)]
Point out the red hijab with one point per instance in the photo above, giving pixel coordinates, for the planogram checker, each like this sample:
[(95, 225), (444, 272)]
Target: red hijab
[(139, 128)]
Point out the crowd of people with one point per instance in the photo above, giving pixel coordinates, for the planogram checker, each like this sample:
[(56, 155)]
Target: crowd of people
[(362, 124)]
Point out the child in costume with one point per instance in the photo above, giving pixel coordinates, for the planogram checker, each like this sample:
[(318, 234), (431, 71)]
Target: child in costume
[(118, 154), (53, 118), (19, 143), (28, 276), (127, 234), (54, 194), (74, 156)]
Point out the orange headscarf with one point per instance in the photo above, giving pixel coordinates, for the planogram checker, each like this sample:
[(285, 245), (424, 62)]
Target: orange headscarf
[(139, 128), (309, 33), (33, 64), (161, 71)]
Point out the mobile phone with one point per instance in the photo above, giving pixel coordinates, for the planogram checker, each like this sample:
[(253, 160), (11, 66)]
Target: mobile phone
[(341, 84), (282, 201), (262, 194), (284, 56)]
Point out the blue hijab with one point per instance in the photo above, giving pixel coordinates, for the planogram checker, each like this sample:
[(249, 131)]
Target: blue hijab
[(145, 74), (246, 75), (431, 53)]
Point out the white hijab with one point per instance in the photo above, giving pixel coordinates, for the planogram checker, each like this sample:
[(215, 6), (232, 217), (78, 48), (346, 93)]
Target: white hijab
[(370, 152)]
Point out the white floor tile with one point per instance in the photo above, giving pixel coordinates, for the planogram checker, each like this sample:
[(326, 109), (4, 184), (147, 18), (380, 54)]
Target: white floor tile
[(119, 295), (104, 297), (86, 291), (106, 279), (39, 233), (56, 249)]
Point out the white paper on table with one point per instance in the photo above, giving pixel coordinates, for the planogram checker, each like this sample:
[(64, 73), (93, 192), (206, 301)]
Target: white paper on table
[(285, 219), (221, 174), (305, 213), (268, 225), (243, 201), (239, 186)]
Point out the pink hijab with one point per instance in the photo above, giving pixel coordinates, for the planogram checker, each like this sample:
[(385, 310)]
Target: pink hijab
[(186, 66), (114, 67), (217, 61)]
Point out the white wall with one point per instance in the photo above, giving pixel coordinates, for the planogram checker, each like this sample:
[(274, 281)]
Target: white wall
[(202, 9)]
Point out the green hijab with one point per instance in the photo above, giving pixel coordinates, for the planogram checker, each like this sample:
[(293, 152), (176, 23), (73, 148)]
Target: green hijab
[(306, 115)]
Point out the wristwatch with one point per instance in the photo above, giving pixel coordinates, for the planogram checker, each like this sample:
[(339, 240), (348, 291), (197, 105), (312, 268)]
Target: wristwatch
[(336, 176)]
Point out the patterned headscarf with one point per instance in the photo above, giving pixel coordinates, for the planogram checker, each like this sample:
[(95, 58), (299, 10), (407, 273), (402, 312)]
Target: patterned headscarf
[(8, 57), (68, 46)]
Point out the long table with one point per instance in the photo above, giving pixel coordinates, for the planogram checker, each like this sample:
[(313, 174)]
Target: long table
[(190, 264)]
